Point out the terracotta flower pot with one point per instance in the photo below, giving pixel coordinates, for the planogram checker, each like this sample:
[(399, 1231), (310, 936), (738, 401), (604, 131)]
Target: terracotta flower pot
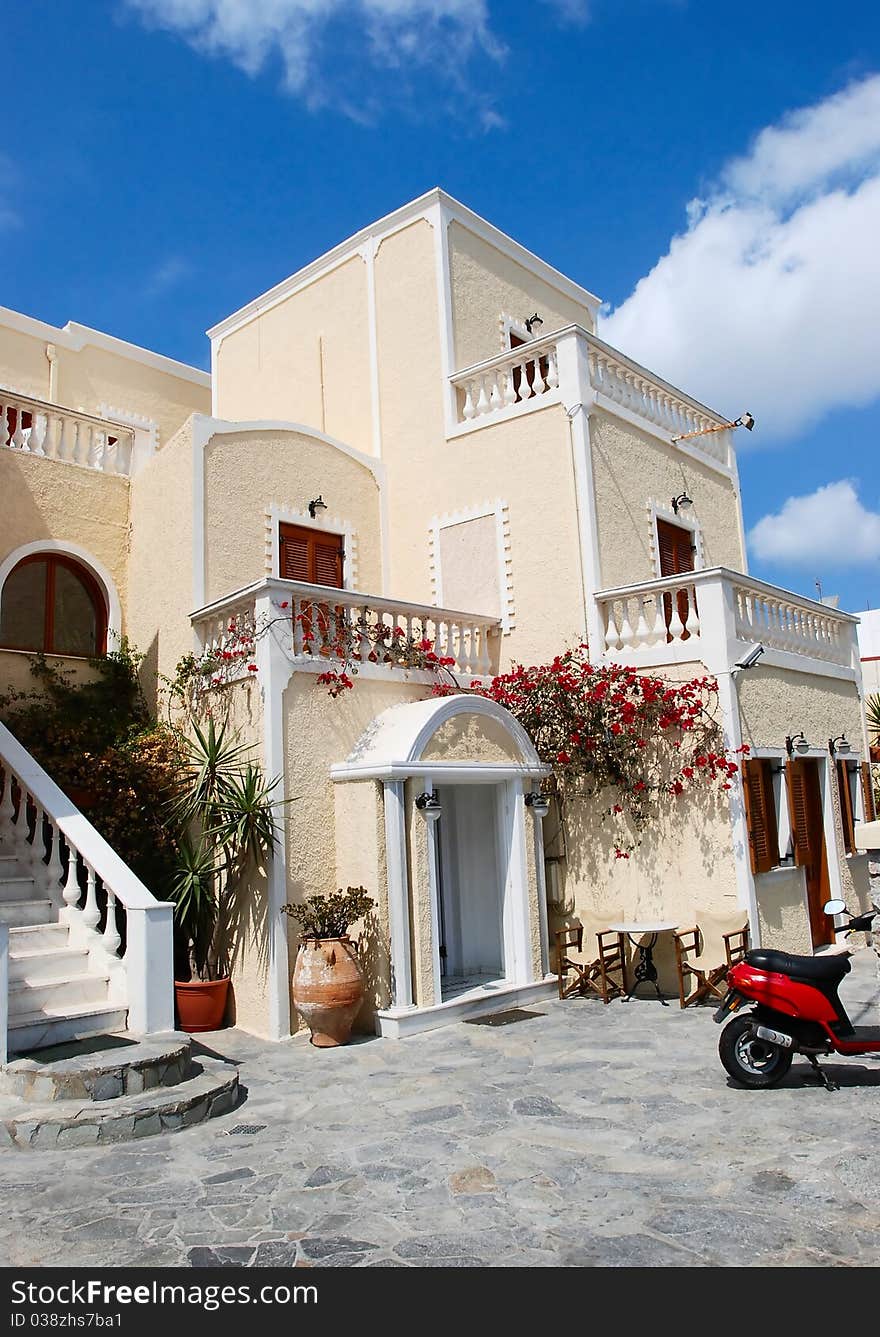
[(328, 988), (201, 1004)]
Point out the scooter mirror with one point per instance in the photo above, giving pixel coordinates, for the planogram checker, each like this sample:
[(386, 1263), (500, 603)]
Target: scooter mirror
[(834, 907)]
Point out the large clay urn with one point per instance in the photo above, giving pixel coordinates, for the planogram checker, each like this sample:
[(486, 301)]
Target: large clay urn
[(328, 988)]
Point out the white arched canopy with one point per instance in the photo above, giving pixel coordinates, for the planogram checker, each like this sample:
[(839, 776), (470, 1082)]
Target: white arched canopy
[(394, 745)]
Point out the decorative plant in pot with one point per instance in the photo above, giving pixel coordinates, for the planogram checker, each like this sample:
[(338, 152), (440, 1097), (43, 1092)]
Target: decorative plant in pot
[(328, 983), (224, 814)]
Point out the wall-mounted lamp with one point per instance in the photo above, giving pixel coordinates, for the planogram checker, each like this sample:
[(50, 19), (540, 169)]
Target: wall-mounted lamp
[(682, 502), (319, 504), (840, 746), (429, 806), (746, 421), (539, 803), (796, 743), (532, 321), (750, 660)]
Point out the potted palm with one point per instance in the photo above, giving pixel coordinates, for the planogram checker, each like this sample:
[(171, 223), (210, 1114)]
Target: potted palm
[(224, 817), (328, 983), (872, 710)]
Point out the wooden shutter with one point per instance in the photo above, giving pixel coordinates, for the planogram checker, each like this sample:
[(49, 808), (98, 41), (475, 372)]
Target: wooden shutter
[(757, 776), (676, 548), (799, 811), (847, 816), (868, 792), (311, 556)]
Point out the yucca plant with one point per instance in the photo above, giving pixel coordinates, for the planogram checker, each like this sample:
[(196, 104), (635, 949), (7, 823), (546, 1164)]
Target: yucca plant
[(872, 710), (225, 813)]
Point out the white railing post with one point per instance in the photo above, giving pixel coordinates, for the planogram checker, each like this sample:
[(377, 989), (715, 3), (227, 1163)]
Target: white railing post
[(4, 992), (149, 969)]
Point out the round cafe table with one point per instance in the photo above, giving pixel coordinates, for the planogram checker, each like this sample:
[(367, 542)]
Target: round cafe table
[(643, 936)]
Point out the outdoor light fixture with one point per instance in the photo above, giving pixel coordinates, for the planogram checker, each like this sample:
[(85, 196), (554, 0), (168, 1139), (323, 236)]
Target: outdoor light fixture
[(744, 420), (539, 803), (796, 743), (681, 502), (839, 745), (319, 504), (750, 660), (429, 806), (533, 320)]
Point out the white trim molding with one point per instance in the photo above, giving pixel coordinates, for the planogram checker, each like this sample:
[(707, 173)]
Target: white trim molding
[(277, 514), (500, 512), (663, 511), (70, 549)]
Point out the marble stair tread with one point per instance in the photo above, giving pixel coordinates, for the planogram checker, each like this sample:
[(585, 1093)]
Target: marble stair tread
[(100, 1068), (210, 1091), (72, 1012)]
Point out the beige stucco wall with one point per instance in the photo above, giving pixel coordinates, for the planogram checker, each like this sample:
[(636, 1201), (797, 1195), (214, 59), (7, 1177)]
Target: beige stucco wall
[(359, 814), (631, 469), (429, 476), (90, 377), (48, 499), (305, 360), (15, 670), (161, 559), (775, 702), (682, 867), (247, 472), (319, 731), (487, 284), (782, 910)]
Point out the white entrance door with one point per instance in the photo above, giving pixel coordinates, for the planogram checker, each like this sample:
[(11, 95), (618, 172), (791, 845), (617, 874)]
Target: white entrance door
[(471, 887)]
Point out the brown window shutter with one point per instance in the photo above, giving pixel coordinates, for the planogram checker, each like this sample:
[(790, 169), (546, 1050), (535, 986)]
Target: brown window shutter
[(311, 556), (676, 548), (294, 548), (847, 816), (328, 561), (868, 792), (757, 775), (798, 811)]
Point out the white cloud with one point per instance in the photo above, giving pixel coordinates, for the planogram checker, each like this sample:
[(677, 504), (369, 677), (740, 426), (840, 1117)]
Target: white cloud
[(167, 275), (829, 526), (334, 50), (768, 300)]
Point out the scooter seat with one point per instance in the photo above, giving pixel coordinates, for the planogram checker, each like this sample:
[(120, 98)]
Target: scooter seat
[(799, 967)]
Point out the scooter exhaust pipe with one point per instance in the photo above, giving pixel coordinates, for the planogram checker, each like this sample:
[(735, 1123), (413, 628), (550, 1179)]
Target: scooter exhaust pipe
[(774, 1037)]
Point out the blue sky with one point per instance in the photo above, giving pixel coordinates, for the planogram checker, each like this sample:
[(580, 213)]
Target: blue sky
[(166, 160)]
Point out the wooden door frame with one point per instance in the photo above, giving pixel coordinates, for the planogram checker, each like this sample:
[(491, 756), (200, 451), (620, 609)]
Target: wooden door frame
[(825, 779)]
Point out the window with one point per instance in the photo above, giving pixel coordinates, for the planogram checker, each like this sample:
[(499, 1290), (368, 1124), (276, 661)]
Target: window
[(675, 550), (847, 788), (52, 603), (869, 808), (760, 806), (310, 555)]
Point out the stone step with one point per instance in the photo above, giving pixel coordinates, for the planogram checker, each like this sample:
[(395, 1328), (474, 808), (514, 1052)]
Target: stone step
[(47, 963), (56, 995), (101, 1068), (27, 912), (11, 863), (37, 937), (38, 1030), (211, 1090), (19, 888)]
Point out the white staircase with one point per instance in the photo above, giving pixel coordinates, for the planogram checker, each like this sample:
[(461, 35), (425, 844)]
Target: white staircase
[(66, 970)]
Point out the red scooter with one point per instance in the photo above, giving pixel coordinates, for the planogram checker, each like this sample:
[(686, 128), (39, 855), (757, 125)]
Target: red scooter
[(797, 1011)]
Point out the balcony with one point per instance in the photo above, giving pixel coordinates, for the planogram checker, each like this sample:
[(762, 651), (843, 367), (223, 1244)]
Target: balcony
[(571, 366), (310, 623), (715, 616), (49, 431)]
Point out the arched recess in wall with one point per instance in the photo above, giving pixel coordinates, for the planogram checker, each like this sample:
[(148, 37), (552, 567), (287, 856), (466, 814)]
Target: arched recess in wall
[(63, 578)]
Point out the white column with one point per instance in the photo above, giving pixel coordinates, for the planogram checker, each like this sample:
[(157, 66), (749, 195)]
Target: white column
[(398, 894), (578, 400), (274, 664), (541, 880), (149, 969), (517, 920), (4, 991)]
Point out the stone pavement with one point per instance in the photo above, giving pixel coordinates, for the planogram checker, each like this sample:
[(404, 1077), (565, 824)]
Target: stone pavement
[(579, 1135)]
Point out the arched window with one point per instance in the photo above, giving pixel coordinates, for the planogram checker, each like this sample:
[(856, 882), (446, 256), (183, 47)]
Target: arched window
[(50, 602)]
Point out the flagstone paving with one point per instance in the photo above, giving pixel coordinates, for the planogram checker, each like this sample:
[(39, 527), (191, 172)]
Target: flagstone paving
[(579, 1134)]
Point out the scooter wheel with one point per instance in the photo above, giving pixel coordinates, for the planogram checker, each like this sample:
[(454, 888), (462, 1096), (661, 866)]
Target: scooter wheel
[(750, 1060)]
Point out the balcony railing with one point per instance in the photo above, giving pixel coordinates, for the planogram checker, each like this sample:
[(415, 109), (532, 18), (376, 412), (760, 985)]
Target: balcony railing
[(330, 626), (530, 377), (708, 614), (38, 428)]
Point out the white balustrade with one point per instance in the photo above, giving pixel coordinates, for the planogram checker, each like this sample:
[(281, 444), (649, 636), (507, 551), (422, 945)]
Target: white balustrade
[(713, 614), (75, 868), (526, 373), (342, 626), (49, 431)]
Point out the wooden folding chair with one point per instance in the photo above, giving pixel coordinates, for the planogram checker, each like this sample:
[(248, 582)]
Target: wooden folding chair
[(698, 967), (590, 976)]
